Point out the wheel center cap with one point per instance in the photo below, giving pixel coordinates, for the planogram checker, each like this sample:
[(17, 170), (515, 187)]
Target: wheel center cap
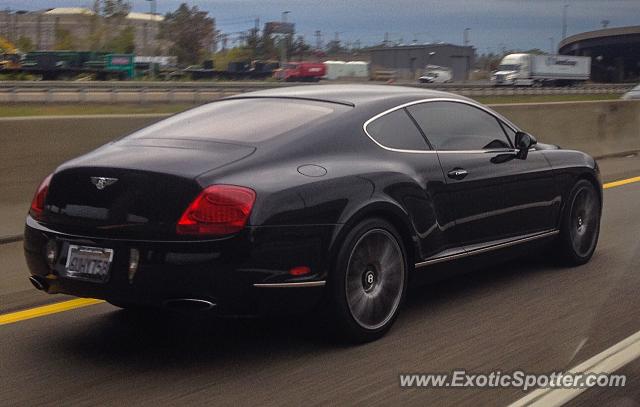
[(369, 280)]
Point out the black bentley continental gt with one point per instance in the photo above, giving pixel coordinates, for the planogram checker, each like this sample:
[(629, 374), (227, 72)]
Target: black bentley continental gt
[(333, 198)]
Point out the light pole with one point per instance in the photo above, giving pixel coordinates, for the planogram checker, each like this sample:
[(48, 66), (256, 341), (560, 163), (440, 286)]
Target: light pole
[(284, 41), (564, 21), (147, 42)]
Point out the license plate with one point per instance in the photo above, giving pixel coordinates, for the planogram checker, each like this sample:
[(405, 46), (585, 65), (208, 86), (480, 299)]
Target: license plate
[(88, 263)]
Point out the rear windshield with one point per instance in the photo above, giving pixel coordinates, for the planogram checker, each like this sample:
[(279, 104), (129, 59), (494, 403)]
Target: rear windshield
[(243, 120)]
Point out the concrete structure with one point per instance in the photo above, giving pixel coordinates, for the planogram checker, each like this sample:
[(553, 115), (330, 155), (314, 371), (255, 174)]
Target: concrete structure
[(410, 60), (40, 27), (614, 52), (39, 144), (600, 128)]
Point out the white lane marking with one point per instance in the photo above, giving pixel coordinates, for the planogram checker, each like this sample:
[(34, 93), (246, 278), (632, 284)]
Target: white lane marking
[(607, 361)]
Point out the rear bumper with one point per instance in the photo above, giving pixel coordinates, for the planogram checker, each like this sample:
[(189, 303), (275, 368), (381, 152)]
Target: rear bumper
[(246, 274)]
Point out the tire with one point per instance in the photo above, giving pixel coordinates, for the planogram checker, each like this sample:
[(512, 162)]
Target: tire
[(368, 284), (580, 225)]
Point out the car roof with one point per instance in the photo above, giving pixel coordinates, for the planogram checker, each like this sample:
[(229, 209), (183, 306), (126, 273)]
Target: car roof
[(352, 94)]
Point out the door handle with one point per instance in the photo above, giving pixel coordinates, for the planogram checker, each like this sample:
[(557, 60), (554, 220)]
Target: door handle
[(457, 173)]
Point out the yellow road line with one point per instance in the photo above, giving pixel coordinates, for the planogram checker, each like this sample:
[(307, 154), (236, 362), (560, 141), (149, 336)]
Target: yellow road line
[(46, 310), (621, 182), (83, 302)]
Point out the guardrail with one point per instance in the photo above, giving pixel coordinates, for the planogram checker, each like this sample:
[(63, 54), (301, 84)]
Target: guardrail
[(200, 92), (116, 95)]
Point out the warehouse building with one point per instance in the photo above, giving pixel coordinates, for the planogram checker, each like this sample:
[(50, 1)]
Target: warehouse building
[(409, 61), (40, 27), (614, 52)]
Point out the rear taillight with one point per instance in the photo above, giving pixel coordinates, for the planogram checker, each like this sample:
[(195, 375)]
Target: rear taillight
[(218, 210), (37, 205)]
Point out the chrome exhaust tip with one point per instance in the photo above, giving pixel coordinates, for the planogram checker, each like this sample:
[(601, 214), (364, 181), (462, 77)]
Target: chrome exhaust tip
[(189, 304), (38, 283)]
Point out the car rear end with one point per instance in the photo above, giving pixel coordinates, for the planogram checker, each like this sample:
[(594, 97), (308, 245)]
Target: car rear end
[(136, 223), (195, 250)]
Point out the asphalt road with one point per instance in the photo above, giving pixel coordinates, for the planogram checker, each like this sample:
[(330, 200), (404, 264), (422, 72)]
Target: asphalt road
[(526, 315)]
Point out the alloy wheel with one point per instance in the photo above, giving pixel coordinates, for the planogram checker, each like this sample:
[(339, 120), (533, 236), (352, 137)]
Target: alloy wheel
[(375, 278)]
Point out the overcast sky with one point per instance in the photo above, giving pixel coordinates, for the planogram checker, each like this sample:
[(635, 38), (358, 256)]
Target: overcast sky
[(513, 24)]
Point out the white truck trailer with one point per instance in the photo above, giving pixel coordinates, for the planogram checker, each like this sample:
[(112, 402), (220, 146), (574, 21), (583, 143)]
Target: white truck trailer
[(541, 70)]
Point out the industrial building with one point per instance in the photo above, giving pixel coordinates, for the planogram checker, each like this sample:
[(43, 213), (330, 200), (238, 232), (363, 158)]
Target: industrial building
[(40, 27), (409, 61), (614, 52)]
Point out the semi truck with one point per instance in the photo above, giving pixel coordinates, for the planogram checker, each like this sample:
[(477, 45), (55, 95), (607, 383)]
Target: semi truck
[(541, 70)]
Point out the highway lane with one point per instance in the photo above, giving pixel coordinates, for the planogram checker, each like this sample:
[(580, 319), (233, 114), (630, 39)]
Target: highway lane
[(528, 315)]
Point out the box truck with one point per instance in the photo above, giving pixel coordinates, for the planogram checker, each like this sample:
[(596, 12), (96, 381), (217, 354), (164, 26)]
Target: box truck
[(542, 70), (301, 72), (436, 74)]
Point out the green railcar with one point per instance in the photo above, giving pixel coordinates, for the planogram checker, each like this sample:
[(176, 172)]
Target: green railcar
[(54, 65)]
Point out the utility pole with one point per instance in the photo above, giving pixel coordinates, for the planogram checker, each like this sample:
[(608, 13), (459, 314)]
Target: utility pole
[(318, 35), (564, 21), (386, 39), (336, 40), (254, 35), (465, 36), (552, 48), (225, 38)]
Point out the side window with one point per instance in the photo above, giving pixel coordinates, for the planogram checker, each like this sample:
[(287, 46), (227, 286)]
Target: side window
[(511, 135), (397, 130), (458, 126)]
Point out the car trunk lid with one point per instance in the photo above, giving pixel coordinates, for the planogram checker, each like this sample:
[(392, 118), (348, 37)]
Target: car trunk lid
[(133, 188)]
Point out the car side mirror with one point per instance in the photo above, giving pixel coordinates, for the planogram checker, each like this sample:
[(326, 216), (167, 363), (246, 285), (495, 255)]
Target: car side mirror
[(524, 141)]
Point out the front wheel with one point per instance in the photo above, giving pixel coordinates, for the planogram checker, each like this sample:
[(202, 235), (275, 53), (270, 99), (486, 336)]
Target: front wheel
[(580, 225), (369, 282)]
